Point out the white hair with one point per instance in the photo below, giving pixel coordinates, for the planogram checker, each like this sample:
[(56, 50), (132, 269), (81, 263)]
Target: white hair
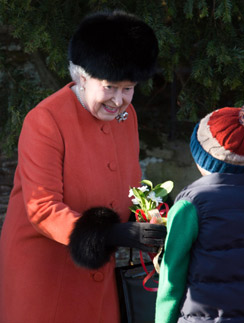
[(76, 72)]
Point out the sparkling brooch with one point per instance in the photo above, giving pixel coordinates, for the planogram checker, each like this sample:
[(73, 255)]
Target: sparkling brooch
[(122, 116)]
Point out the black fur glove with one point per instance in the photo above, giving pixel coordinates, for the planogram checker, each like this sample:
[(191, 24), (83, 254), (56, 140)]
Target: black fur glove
[(87, 244)]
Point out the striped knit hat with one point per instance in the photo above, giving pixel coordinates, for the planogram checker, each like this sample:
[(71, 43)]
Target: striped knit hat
[(217, 142)]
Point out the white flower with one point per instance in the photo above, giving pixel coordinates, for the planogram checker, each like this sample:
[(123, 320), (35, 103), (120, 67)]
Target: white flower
[(152, 196), (135, 201), (143, 188), (155, 199), (131, 193)]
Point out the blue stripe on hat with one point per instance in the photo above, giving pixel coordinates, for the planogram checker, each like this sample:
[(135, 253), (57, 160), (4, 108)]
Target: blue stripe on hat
[(207, 161)]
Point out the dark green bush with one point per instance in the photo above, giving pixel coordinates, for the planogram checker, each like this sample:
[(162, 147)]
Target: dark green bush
[(201, 51)]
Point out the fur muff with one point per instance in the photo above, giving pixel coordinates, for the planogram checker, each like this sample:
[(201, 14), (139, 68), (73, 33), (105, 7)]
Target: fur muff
[(115, 46), (88, 238)]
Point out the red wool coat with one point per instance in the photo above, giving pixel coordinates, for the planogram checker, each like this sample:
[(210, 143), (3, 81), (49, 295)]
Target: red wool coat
[(69, 161)]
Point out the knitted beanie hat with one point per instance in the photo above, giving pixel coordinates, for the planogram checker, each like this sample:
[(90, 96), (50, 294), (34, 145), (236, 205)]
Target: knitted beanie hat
[(115, 46), (217, 142)]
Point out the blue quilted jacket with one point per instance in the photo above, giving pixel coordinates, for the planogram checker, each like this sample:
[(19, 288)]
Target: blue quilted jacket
[(215, 286)]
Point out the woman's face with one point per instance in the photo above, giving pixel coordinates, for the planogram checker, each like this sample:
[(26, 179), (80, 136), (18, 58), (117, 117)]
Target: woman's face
[(105, 100)]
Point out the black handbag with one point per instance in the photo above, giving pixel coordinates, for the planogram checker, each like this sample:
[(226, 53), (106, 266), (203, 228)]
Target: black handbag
[(137, 305)]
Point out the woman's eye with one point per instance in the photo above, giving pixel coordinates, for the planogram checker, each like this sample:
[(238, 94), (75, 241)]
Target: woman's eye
[(108, 87)]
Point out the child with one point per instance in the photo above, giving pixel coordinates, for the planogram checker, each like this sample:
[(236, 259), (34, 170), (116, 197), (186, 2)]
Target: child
[(202, 271)]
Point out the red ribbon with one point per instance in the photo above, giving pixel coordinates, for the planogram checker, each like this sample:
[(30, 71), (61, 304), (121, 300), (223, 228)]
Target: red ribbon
[(163, 213), (142, 214), (148, 276)]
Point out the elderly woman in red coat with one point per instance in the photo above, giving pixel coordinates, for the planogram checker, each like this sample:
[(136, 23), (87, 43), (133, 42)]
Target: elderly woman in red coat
[(78, 156)]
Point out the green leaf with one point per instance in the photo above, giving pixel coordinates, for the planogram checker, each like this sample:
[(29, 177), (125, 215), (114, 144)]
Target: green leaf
[(137, 193), (148, 183), (160, 192), (147, 204), (133, 208), (168, 186)]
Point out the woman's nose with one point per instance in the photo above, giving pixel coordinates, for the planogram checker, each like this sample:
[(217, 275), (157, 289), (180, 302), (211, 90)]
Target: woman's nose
[(118, 98)]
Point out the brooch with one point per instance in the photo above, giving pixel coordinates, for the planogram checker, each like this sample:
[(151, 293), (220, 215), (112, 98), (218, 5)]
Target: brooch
[(122, 116)]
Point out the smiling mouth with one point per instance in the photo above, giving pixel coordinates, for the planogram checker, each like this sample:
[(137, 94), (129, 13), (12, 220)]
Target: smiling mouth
[(110, 109)]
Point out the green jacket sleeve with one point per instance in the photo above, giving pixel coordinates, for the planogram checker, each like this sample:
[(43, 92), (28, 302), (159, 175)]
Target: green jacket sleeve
[(182, 228)]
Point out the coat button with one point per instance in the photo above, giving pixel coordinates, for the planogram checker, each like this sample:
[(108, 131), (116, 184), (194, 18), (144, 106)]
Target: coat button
[(105, 128), (114, 204), (112, 166), (98, 276)]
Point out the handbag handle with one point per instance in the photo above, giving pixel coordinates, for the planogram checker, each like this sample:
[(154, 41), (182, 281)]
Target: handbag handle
[(130, 262)]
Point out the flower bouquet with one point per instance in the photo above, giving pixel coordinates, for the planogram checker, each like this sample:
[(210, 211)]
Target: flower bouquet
[(149, 206), (148, 201)]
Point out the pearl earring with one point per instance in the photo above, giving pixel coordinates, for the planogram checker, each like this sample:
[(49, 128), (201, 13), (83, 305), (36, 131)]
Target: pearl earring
[(82, 88)]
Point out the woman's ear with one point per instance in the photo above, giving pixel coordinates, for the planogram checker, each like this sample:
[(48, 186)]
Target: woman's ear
[(82, 82)]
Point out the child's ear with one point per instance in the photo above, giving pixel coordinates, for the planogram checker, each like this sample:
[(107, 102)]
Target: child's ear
[(203, 171)]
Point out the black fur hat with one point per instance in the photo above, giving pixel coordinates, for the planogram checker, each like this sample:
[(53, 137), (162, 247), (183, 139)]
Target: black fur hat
[(115, 46)]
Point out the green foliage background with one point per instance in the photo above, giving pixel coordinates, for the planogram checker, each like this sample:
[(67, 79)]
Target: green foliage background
[(201, 49)]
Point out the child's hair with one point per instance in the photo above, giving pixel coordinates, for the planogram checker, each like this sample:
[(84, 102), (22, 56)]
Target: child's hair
[(217, 142)]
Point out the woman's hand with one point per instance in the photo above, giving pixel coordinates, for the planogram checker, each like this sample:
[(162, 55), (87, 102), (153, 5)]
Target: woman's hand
[(141, 235)]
